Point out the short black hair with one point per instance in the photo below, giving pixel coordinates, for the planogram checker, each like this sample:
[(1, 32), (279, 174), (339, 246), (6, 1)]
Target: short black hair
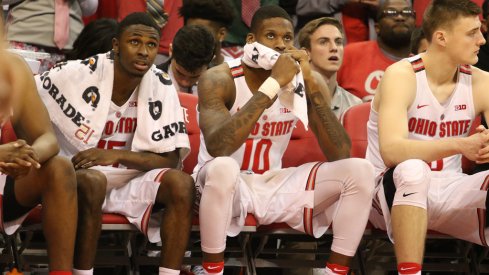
[(137, 18), (96, 37), (416, 36), (219, 11), (193, 47), (267, 12)]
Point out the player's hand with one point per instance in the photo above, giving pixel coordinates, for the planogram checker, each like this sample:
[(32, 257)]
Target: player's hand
[(19, 152), (14, 170), (475, 146), (302, 57), (94, 157), (285, 69)]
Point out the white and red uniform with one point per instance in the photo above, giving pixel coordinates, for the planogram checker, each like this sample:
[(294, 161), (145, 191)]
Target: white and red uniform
[(251, 180), (130, 192), (454, 198)]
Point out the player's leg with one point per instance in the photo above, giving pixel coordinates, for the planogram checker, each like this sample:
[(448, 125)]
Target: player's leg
[(409, 213), (350, 184), (91, 185), (177, 193), (53, 184), (218, 178)]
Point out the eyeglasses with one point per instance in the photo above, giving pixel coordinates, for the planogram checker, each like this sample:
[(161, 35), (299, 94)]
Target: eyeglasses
[(394, 13)]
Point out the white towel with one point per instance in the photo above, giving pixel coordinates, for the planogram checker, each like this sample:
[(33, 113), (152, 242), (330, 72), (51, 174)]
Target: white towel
[(293, 95), (78, 93)]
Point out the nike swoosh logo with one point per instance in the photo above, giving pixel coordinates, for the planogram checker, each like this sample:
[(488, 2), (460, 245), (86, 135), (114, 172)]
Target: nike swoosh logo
[(212, 267), (339, 270), (408, 194), (421, 106), (407, 268)]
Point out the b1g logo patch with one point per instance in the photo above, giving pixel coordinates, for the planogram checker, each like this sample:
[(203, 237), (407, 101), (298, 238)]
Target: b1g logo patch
[(300, 90), (155, 109), (91, 96), (460, 107), (164, 78)]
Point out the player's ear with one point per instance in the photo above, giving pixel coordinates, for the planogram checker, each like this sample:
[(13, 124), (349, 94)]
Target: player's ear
[(250, 38), (115, 45), (439, 37)]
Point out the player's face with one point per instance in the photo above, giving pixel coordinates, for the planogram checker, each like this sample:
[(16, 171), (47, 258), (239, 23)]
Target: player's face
[(276, 33), (184, 78), (326, 51), (136, 49), (396, 23), (464, 38)]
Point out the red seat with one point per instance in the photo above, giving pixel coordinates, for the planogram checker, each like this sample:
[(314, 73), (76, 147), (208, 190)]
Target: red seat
[(303, 147), (355, 122), (189, 105)]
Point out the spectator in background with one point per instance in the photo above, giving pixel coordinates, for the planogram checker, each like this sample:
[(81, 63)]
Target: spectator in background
[(483, 62), (216, 15), (190, 54), (236, 37), (95, 38), (323, 40), (364, 62), (419, 43), (31, 26), (172, 22)]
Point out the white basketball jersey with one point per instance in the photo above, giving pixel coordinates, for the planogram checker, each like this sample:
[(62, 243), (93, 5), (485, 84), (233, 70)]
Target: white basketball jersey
[(120, 126), (429, 120), (266, 144)]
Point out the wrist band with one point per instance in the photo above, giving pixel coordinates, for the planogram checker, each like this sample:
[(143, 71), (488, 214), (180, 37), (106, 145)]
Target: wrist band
[(270, 87)]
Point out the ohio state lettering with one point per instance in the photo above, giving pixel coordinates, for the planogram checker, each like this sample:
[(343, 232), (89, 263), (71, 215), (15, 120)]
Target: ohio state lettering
[(430, 128)]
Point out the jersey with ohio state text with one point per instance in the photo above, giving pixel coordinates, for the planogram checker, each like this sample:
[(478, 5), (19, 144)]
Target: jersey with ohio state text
[(266, 144), (120, 126), (428, 119)]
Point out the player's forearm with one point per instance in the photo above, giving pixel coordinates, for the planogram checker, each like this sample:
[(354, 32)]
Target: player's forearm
[(46, 146), (331, 136), (396, 151), (229, 135), (145, 161)]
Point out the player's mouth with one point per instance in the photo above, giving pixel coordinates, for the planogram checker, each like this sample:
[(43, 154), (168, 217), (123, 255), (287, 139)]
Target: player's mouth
[(334, 58), (141, 65)]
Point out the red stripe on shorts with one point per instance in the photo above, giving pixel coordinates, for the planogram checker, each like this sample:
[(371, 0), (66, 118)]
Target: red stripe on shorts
[(145, 220), (160, 175), (308, 212), (481, 214)]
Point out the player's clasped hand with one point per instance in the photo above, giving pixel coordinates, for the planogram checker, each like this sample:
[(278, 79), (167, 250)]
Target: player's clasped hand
[(17, 158), (285, 69), (93, 157)]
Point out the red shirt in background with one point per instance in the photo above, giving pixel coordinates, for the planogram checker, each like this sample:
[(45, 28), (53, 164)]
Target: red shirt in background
[(175, 22), (363, 67)]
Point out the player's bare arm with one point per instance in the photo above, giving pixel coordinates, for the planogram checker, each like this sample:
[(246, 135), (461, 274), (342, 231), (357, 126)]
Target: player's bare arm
[(223, 133), (480, 82), (30, 120), (331, 136), (142, 161), (396, 93)]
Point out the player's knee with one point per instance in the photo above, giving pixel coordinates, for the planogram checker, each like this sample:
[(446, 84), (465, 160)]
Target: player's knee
[(411, 178), (91, 186), (59, 173), (179, 188), (363, 173), (223, 171)]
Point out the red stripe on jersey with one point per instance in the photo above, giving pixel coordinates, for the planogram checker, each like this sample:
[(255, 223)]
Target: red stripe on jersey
[(417, 65), (145, 220), (465, 69), (481, 214), (160, 175), (237, 71)]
